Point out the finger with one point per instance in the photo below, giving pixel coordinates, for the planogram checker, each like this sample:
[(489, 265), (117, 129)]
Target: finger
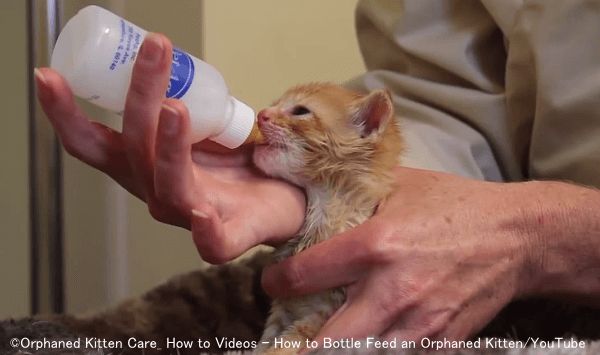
[(435, 318), (174, 170), (418, 322), (470, 320), (365, 315), (90, 142), (441, 316), (144, 100), (336, 262), (94, 144)]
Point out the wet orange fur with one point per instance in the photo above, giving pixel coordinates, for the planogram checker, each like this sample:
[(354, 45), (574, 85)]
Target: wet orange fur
[(342, 152)]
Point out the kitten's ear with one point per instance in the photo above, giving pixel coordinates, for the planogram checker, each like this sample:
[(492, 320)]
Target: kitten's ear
[(373, 113)]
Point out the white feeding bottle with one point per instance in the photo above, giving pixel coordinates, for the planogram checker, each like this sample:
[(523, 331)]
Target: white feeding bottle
[(95, 53)]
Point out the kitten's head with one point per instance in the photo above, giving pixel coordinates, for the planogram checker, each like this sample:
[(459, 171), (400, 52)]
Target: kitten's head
[(320, 133)]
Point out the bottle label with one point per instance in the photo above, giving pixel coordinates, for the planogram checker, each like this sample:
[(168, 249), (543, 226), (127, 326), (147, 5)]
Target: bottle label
[(182, 74), (182, 67), (129, 43)]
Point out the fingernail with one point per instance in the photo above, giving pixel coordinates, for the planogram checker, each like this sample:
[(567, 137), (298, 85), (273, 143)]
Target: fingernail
[(199, 214), (39, 76), (170, 120), (44, 91), (152, 49)]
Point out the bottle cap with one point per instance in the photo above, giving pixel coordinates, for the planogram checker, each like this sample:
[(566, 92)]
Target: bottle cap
[(240, 126)]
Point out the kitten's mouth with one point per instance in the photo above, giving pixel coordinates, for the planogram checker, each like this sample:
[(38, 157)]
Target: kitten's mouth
[(270, 139)]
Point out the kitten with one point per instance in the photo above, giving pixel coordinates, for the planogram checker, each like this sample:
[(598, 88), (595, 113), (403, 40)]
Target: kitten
[(341, 147)]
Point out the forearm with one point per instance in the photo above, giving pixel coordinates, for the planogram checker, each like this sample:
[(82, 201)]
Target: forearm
[(565, 241)]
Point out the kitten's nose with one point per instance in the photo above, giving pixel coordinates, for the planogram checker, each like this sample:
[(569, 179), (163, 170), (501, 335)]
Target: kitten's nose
[(264, 116)]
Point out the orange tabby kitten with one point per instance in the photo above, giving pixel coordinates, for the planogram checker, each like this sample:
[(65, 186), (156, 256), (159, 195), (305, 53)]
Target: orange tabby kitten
[(341, 147)]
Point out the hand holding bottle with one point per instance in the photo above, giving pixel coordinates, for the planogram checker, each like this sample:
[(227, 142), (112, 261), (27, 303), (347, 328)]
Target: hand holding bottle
[(155, 159), (96, 50)]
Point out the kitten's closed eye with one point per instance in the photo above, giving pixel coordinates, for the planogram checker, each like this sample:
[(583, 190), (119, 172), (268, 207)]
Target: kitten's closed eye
[(300, 111)]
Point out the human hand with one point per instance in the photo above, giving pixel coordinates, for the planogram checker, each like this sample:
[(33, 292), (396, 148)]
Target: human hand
[(440, 258), (234, 206)]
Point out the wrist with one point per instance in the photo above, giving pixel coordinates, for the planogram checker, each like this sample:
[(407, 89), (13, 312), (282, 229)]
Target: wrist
[(561, 226)]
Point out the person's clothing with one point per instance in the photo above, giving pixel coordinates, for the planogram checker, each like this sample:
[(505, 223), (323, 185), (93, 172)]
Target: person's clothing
[(491, 89)]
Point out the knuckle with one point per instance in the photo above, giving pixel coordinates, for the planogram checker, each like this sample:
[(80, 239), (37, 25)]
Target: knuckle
[(212, 248), (169, 209), (140, 88), (401, 298), (167, 159), (379, 246), (388, 306), (293, 276), (157, 211), (170, 199), (436, 323), (214, 256), (177, 105), (72, 148)]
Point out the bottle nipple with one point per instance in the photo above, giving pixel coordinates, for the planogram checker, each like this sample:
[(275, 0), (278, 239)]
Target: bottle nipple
[(255, 137)]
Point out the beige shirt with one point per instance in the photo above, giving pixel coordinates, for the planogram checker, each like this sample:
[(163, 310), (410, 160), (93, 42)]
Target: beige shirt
[(491, 89)]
